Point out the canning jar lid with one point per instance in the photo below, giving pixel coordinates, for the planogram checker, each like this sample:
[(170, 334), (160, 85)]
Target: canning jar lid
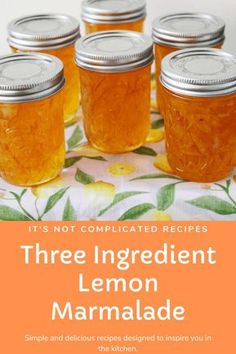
[(29, 77), (43, 31), (109, 11), (114, 51), (184, 30), (199, 72)]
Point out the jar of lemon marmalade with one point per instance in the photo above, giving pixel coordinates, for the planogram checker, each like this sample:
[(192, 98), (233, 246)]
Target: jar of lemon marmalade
[(51, 34), (31, 118), (115, 73), (105, 15), (184, 30), (199, 101)]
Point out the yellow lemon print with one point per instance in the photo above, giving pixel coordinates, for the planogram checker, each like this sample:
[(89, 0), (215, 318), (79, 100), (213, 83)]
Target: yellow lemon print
[(122, 169), (44, 190), (156, 215), (155, 136), (153, 83), (87, 150), (101, 187), (161, 162), (99, 195), (154, 105)]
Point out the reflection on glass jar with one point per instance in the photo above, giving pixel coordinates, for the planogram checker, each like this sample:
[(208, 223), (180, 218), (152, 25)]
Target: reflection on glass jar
[(115, 89), (32, 147), (55, 35), (199, 102), (107, 15), (185, 30)]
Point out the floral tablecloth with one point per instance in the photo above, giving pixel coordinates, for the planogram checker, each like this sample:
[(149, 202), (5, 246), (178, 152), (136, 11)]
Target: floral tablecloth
[(134, 186)]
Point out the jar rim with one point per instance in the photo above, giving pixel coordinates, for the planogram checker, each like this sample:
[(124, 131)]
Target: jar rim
[(26, 77), (126, 11), (185, 30), (199, 72), (114, 51), (59, 31)]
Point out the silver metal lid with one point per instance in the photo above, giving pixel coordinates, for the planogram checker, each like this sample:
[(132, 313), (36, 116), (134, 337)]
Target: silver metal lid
[(107, 11), (29, 77), (114, 51), (183, 30), (43, 31), (199, 72)]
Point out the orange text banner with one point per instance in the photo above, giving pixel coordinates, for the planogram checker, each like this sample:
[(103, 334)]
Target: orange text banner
[(117, 287)]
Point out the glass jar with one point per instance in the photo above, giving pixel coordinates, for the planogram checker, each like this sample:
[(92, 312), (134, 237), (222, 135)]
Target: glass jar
[(199, 101), (115, 73), (105, 15), (31, 118), (51, 34), (185, 30)]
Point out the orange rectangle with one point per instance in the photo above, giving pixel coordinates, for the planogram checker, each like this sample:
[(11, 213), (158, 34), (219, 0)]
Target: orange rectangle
[(165, 252)]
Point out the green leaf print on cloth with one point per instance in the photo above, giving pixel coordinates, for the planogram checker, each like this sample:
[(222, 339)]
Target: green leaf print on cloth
[(10, 214)]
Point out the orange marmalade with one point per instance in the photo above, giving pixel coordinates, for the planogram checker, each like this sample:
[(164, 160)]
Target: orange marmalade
[(185, 30), (54, 35), (199, 102), (115, 73), (137, 26), (107, 15), (31, 118)]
